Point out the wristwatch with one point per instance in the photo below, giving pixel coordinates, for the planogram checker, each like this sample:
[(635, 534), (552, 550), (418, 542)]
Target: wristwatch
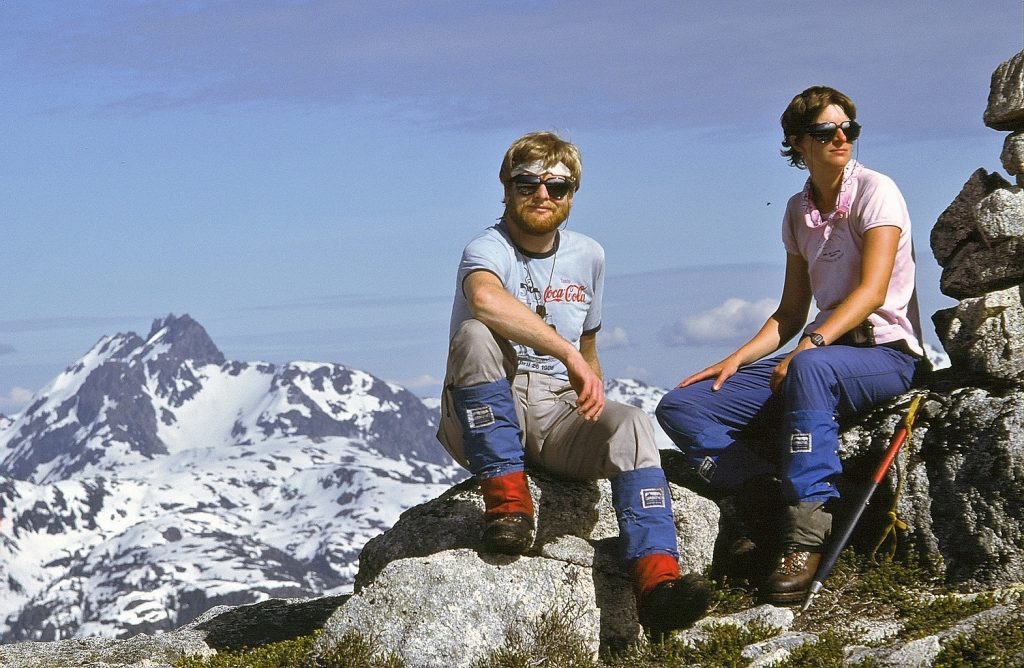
[(816, 339)]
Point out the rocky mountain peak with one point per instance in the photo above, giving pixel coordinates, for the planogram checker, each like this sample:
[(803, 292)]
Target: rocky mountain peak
[(185, 339)]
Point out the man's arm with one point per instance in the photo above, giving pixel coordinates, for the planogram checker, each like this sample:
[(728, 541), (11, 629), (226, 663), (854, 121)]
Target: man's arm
[(588, 348), (492, 305)]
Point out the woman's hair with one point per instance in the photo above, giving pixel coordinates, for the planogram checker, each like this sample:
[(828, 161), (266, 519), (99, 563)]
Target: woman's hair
[(803, 111), (546, 148)]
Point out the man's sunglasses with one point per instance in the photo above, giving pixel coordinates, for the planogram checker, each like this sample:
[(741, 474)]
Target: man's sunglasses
[(527, 184), (823, 133)]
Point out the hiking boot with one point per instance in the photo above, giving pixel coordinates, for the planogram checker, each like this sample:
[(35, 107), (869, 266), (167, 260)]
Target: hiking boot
[(674, 604), (740, 563), (510, 533), (792, 577), (750, 528), (805, 529)]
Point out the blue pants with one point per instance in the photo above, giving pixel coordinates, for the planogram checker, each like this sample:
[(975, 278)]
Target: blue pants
[(744, 429)]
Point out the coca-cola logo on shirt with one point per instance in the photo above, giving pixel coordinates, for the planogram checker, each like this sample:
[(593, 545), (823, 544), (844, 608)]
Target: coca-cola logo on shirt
[(574, 292)]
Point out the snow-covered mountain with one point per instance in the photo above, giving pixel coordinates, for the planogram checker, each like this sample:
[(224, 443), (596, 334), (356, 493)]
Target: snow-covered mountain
[(154, 479)]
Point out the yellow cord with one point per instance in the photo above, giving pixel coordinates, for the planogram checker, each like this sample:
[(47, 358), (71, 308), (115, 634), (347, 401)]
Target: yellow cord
[(889, 533)]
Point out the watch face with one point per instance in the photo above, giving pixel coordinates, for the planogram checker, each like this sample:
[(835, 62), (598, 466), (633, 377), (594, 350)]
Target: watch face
[(817, 339)]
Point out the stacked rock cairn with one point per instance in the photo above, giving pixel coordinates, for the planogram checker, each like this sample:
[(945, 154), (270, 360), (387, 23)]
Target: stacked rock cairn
[(979, 243)]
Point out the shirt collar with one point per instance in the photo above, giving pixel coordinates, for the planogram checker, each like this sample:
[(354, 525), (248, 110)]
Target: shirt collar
[(847, 191)]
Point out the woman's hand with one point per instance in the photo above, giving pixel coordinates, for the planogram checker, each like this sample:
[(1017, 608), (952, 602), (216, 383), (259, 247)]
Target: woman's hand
[(779, 373), (782, 368), (720, 372)]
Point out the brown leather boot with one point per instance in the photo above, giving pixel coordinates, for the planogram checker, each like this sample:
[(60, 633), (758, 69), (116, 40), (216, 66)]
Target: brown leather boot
[(750, 528), (792, 577), (805, 529)]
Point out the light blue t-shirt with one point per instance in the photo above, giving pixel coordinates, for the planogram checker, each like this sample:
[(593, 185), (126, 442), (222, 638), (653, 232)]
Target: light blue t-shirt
[(565, 285)]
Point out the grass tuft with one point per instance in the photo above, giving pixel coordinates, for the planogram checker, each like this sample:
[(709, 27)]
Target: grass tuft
[(942, 612), (1000, 645), (284, 654), (553, 639), (352, 651), (719, 645)]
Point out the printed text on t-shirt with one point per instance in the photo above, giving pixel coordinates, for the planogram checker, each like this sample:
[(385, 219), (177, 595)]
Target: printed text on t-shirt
[(570, 293)]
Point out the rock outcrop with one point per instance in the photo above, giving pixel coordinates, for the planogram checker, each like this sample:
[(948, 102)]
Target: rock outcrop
[(218, 629), (574, 568)]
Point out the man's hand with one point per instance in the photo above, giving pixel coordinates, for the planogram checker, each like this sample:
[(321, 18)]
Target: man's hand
[(589, 387), (502, 312)]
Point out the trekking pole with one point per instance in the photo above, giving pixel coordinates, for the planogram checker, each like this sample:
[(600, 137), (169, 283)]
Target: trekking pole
[(837, 546)]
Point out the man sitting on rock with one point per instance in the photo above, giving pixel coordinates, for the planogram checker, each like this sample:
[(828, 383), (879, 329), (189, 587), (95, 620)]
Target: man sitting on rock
[(524, 382)]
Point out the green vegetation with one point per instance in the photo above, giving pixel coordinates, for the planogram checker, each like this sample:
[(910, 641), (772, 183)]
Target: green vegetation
[(551, 640), (1000, 645), (286, 653), (825, 653), (720, 644), (352, 651), (941, 613)]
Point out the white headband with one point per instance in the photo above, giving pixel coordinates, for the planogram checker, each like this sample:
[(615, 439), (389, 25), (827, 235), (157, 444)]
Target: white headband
[(538, 169)]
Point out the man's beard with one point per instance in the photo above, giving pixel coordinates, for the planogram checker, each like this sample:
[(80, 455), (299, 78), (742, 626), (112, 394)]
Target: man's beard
[(529, 224)]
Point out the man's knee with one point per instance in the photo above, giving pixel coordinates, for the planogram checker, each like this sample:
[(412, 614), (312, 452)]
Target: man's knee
[(471, 336), (633, 442), (477, 355)]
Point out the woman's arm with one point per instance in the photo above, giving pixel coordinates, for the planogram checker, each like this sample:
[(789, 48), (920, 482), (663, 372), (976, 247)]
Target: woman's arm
[(780, 327), (877, 260)]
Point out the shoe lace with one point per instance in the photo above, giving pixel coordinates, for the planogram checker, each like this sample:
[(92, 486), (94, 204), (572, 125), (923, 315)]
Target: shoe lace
[(793, 562)]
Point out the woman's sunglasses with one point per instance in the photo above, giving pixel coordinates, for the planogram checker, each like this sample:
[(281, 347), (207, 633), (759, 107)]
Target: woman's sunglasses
[(527, 184), (826, 132)]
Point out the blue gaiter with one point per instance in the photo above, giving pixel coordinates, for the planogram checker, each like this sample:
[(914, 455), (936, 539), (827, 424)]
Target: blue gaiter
[(643, 506), (491, 434)]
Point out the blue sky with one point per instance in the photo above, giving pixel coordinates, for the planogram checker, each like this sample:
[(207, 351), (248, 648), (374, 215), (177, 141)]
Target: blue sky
[(301, 176)]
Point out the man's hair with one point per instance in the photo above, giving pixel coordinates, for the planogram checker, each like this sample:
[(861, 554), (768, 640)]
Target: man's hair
[(546, 148), (801, 113)]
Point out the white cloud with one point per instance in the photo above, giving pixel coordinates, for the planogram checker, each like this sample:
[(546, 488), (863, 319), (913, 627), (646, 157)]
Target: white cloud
[(419, 382), (611, 339), (15, 400), (734, 321)]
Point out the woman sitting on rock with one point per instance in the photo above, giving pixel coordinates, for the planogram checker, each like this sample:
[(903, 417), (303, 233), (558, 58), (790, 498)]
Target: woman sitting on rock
[(755, 419)]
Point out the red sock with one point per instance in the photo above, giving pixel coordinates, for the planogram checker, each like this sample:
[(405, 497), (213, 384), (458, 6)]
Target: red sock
[(651, 571), (506, 494)]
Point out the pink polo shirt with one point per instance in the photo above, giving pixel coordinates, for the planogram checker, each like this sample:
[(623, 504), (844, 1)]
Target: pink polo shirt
[(832, 247)]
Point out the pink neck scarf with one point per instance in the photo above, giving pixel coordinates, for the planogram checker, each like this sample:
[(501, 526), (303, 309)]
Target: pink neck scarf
[(847, 191)]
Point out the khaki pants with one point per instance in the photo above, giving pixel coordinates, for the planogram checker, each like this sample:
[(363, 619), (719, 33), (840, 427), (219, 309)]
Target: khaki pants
[(556, 438)]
